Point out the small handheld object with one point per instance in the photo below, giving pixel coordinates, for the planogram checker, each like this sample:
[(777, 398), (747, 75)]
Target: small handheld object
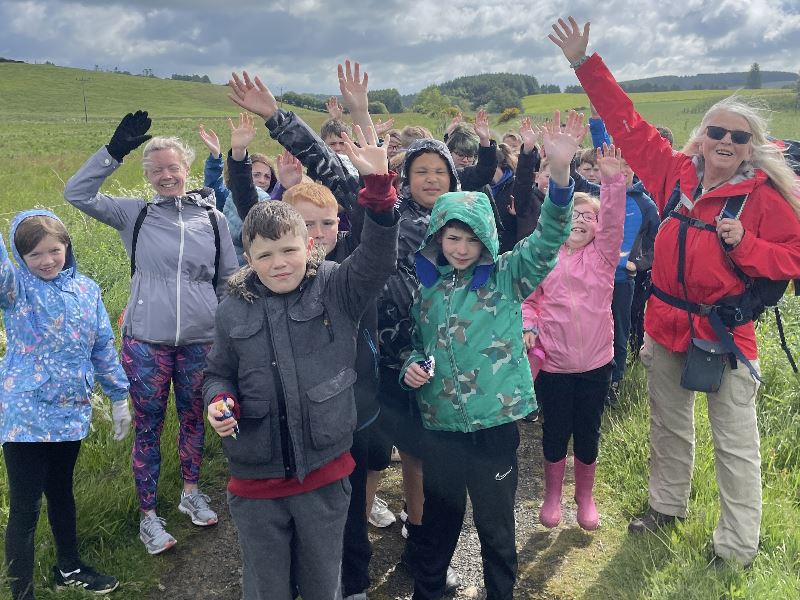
[(428, 365), (222, 406)]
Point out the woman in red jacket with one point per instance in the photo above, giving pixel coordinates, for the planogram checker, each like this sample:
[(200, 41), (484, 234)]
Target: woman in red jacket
[(728, 155)]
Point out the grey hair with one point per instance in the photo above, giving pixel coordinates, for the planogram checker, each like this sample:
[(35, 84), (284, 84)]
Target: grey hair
[(765, 156), (168, 143)]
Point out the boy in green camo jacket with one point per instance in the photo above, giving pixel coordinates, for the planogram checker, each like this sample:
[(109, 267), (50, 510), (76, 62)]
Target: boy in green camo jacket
[(467, 317)]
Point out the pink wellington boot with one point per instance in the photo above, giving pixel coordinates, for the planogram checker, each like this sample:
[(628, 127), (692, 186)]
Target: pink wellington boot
[(588, 517), (550, 513)]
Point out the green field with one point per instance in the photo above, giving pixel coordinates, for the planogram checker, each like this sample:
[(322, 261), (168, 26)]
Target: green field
[(45, 139), (680, 111)]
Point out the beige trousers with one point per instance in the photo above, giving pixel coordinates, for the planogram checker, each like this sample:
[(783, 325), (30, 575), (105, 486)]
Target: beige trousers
[(732, 414)]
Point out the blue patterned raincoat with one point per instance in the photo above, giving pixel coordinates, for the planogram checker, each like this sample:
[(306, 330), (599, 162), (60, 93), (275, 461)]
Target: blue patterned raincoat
[(59, 339)]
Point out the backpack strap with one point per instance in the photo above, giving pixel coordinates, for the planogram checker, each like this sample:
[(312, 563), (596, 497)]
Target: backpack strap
[(215, 226), (136, 227)]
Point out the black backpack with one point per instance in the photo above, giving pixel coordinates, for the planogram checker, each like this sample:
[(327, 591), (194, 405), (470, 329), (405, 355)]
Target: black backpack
[(214, 225)]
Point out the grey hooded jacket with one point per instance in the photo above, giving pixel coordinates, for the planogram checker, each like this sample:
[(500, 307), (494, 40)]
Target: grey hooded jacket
[(172, 300), (289, 359)]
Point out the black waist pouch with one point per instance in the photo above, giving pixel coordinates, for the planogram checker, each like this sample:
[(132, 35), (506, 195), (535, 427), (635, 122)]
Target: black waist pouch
[(704, 367)]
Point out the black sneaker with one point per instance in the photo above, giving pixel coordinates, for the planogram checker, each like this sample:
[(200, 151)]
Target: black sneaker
[(532, 416), (652, 520), (85, 578)]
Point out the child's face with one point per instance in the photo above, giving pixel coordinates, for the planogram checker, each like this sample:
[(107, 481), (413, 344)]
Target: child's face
[(584, 226), (167, 173), (47, 259), (336, 143), (512, 142), (262, 176), (429, 178), (280, 264), (543, 178), (461, 248), (462, 160), (322, 223), (590, 172)]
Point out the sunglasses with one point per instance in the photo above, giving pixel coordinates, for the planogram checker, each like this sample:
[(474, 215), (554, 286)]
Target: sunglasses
[(588, 216), (737, 136)]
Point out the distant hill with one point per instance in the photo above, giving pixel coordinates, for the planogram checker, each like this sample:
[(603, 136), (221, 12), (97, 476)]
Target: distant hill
[(707, 81)]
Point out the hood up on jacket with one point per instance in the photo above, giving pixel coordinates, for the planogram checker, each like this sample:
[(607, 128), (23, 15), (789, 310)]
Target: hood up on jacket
[(70, 265), (420, 147), (473, 209)]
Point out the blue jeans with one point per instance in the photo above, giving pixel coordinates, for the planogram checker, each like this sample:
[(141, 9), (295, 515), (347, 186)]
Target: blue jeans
[(621, 310)]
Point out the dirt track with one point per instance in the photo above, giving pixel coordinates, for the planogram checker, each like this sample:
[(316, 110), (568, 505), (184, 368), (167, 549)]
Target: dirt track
[(210, 567)]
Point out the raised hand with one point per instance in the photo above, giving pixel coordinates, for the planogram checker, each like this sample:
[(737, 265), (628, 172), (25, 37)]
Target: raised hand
[(241, 135), (529, 137), (211, 141), (353, 87), (560, 146), (609, 159), (369, 158), (290, 170), (252, 95), (454, 123), (569, 38), (381, 127), (334, 109), (129, 135), (481, 127)]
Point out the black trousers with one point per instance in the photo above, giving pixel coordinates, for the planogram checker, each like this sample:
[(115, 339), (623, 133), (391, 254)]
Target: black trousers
[(572, 406), (484, 464), (357, 550), (35, 468), (621, 311), (641, 293)]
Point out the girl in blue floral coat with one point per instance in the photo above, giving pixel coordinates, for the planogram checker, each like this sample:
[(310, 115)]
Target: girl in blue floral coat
[(59, 340)]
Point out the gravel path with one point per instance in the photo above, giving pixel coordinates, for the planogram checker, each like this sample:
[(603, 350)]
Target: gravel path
[(209, 568)]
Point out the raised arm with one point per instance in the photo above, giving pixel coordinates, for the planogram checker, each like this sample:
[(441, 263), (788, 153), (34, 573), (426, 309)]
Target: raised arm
[(354, 93), (521, 270), (9, 284), (650, 155), (83, 188), (322, 163), (612, 204), (240, 169), (213, 168)]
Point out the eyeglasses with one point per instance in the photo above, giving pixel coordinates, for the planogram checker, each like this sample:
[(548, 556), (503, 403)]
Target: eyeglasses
[(588, 216), (737, 136), (463, 156)]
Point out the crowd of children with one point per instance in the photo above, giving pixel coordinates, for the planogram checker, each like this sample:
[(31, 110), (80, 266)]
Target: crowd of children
[(377, 288)]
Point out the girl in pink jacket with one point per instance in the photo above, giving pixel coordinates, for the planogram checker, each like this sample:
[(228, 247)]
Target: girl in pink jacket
[(569, 334)]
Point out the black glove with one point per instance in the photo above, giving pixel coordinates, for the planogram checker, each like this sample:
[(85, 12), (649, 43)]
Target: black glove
[(130, 134)]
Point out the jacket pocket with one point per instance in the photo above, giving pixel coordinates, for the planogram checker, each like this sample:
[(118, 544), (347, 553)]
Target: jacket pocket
[(311, 327), (253, 444), (26, 382), (332, 409)]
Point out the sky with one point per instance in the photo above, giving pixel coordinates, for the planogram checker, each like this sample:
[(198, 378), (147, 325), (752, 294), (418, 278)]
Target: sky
[(296, 44)]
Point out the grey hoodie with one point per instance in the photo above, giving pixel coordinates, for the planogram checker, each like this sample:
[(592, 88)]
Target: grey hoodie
[(172, 300)]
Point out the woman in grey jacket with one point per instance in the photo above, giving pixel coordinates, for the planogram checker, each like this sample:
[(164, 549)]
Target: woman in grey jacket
[(181, 257)]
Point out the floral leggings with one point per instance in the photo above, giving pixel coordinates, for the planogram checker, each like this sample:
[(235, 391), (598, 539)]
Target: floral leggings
[(150, 368)]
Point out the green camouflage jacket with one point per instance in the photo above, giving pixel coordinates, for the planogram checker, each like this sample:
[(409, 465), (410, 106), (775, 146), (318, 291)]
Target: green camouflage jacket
[(470, 321)]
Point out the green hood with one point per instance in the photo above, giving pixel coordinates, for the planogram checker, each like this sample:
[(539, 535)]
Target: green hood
[(472, 208)]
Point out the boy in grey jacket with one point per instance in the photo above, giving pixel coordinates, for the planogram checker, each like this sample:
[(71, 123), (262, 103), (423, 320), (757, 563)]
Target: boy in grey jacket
[(282, 363)]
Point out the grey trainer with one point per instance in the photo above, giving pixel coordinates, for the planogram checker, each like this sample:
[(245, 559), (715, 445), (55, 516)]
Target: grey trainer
[(153, 535), (196, 506)]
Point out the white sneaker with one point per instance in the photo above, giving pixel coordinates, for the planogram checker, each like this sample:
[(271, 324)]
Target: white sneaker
[(380, 515), (403, 514), (396, 455), (404, 531)]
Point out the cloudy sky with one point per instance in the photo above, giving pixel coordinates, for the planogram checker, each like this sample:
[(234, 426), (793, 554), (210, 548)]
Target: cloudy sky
[(407, 44)]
